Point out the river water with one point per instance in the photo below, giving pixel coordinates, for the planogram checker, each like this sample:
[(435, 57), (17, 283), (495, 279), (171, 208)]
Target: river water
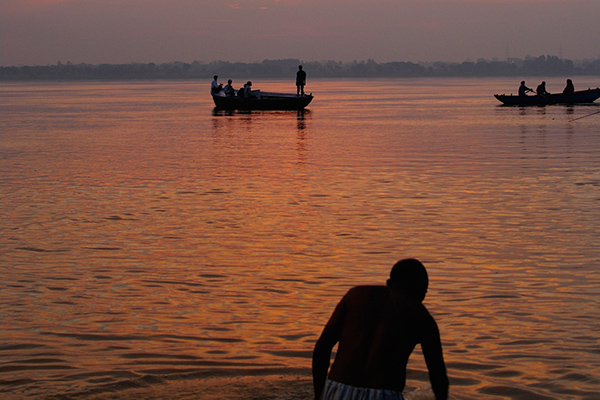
[(152, 247)]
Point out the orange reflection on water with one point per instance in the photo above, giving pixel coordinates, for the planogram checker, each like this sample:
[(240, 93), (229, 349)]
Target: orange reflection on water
[(145, 233)]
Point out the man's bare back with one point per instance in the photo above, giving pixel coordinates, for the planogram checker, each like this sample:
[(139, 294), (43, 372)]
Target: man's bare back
[(377, 328)]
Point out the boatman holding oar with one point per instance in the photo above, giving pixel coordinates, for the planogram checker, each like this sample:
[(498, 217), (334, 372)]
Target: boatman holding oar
[(524, 89), (377, 328), (541, 90)]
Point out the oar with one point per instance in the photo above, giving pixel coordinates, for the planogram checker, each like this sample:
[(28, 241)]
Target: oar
[(585, 116), (545, 96)]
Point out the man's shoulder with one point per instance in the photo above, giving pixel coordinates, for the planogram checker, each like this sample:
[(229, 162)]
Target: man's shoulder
[(368, 288), (366, 291)]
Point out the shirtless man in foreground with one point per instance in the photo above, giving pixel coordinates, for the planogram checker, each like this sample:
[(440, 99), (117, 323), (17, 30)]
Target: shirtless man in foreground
[(377, 328)]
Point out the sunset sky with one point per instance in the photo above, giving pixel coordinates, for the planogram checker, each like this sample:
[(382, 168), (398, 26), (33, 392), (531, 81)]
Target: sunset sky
[(40, 32)]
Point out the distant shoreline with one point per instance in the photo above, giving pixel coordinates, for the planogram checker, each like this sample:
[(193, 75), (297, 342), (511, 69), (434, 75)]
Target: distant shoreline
[(274, 69)]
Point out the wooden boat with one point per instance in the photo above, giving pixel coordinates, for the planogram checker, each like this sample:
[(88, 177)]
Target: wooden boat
[(582, 96), (262, 101)]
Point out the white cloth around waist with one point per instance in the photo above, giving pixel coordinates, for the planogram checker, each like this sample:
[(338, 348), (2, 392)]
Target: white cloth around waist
[(340, 391)]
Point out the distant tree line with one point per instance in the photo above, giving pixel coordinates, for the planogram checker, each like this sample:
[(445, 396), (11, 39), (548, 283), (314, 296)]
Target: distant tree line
[(530, 66)]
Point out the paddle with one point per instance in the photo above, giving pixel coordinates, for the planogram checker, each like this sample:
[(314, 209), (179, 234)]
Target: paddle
[(585, 116)]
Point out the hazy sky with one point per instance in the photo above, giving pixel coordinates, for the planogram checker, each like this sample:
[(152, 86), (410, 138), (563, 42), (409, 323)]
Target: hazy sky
[(39, 32)]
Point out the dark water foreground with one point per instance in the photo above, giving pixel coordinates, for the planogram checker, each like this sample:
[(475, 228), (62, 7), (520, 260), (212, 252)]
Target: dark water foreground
[(214, 386), (255, 385)]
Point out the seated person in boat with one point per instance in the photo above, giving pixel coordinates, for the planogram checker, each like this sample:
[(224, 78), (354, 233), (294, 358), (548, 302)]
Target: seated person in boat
[(229, 90), (248, 91), (215, 87), (541, 89), (524, 89), (242, 91), (570, 88)]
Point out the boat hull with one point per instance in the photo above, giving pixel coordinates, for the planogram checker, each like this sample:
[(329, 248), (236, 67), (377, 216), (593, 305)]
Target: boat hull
[(274, 101), (580, 97)]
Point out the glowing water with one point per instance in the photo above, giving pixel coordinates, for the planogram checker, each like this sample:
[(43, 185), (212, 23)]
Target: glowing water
[(146, 238)]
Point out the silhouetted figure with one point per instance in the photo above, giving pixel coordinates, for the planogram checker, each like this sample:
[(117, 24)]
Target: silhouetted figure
[(215, 87), (524, 89), (541, 90), (248, 90), (300, 81), (242, 91), (570, 88), (229, 90), (377, 328)]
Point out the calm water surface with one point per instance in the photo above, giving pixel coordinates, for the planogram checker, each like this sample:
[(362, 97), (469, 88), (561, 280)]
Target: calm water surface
[(147, 238)]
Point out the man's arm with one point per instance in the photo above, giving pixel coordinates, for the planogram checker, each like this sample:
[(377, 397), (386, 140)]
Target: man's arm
[(322, 352), (434, 358)]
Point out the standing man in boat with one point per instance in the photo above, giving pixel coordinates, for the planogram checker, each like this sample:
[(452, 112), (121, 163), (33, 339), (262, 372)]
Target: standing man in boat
[(377, 328), (300, 81), (215, 87), (524, 89)]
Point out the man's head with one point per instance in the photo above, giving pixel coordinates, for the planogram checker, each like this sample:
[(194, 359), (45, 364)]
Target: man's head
[(409, 277)]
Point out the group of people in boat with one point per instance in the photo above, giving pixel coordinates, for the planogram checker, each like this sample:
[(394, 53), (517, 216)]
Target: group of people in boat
[(246, 90), (541, 89)]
